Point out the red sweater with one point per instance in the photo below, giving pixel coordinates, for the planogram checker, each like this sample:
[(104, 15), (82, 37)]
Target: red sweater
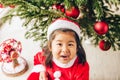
[(76, 72)]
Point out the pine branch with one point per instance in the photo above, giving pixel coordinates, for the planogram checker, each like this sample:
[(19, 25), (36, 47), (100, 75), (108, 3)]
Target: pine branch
[(39, 14)]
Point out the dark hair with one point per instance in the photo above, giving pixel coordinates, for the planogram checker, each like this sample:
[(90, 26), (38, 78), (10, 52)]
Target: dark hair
[(80, 53)]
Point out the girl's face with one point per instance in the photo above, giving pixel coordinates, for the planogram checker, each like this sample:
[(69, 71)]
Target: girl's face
[(64, 47)]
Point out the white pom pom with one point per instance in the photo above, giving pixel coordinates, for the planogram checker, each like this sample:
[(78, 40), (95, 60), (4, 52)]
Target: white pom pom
[(57, 79), (57, 75)]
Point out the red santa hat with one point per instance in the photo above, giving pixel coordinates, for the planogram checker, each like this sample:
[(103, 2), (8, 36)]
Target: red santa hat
[(63, 23)]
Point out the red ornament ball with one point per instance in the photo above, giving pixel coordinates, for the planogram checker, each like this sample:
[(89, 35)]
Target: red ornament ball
[(104, 45), (1, 5), (72, 12), (59, 7), (101, 27), (12, 6)]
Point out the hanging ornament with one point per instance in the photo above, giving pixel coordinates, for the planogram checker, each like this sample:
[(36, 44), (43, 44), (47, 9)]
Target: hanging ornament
[(101, 27), (12, 6), (72, 12), (104, 45), (1, 5), (59, 7)]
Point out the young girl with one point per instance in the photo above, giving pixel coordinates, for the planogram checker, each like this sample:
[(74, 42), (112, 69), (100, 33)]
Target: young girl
[(63, 58)]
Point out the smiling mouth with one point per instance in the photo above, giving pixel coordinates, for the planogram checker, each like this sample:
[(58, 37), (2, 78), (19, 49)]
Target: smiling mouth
[(64, 56)]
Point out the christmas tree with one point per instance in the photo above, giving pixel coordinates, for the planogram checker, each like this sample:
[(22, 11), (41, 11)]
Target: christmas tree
[(98, 21)]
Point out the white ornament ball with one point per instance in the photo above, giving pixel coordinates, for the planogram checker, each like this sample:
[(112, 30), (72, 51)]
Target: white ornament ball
[(57, 74)]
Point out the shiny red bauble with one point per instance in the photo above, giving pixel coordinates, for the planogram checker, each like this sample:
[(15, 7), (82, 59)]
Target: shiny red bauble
[(1, 5), (104, 45), (59, 7), (101, 27), (12, 6), (72, 12)]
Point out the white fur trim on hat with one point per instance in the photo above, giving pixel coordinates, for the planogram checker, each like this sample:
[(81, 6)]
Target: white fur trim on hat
[(63, 23)]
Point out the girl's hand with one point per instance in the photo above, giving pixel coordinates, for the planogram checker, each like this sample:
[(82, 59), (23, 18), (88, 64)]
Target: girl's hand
[(43, 76)]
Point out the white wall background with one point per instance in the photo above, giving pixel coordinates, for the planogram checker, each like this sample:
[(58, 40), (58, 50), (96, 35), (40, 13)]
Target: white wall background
[(104, 65)]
